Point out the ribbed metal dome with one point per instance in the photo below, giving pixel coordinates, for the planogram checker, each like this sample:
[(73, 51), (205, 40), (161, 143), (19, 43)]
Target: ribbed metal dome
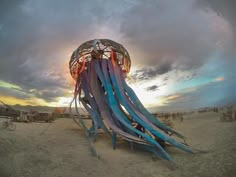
[(99, 49)]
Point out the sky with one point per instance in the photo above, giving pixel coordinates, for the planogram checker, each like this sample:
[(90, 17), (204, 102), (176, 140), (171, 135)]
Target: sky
[(183, 53)]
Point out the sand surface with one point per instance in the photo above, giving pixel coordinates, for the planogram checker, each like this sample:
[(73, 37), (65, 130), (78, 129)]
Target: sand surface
[(60, 149)]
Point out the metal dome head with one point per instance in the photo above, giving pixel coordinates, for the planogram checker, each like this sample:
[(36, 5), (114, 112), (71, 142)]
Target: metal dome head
[(99, 49)]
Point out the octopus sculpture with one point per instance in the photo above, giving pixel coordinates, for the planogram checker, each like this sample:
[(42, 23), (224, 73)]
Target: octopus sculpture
[(99, 68)]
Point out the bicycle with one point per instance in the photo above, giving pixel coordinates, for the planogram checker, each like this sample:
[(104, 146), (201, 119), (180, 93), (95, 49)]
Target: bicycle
[(8, 124)]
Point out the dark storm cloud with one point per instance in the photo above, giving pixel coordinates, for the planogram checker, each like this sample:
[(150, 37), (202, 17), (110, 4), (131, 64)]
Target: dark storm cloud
[(17, 93), (187, 77), (165, 78), (155, 87), (34, 36), (152, 88), (38, 37), (225, 8), (51, 95), (7, 5), (177, 32), (47, 94), (149, 73)]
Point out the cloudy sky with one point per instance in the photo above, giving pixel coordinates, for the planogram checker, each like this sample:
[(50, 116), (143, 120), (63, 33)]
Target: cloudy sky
[(183, 52)]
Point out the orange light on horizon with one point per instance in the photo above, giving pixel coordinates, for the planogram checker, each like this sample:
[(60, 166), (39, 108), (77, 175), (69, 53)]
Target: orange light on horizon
[(219, 79), (13, 101)]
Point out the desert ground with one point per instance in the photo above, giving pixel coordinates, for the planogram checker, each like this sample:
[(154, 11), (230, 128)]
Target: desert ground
[(59, 149)]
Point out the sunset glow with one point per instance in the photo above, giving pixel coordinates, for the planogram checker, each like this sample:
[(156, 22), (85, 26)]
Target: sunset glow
[(181, 54)]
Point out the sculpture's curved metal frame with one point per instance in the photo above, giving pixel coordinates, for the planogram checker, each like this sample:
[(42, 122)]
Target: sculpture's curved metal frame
[(99, 49)]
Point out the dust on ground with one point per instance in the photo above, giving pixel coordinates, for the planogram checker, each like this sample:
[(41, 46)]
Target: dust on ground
[(59, 149)]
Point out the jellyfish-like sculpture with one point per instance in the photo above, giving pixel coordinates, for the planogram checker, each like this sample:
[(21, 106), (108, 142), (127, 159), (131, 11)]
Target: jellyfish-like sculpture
[(99, 68)]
